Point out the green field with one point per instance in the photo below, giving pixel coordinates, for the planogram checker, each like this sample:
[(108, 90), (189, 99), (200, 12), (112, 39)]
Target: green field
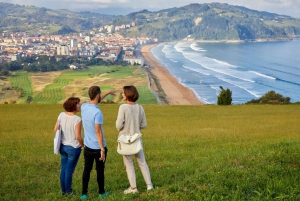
[(54, 28), (55, 92), (205, 152), (22, 81)]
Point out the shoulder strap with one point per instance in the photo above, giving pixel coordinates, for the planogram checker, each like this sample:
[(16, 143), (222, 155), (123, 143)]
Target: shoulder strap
[(59, 118), (139, 112), (139, 117)]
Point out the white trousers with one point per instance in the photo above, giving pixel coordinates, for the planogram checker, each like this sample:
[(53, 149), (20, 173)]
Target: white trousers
[(128, 162)]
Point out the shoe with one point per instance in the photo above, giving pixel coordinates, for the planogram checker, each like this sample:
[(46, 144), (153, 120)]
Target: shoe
[(70, 193), (83, 197), (130, 190), (106, 193), (150, 187)]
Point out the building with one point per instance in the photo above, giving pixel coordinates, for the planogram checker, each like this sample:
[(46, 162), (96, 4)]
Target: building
[(63, 50), (73, 42), (88, 39), (133, 61)]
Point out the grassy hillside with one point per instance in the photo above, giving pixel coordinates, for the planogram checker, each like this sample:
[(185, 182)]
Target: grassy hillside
[(209, 152), (210, 21), (33, 19)]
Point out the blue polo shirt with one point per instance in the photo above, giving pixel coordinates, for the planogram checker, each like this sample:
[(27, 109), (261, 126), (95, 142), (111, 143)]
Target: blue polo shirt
[(91, 115)]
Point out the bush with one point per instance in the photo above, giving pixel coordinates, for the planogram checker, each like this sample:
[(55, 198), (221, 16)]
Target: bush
[(225, 97), (4, 72), (271, 97)]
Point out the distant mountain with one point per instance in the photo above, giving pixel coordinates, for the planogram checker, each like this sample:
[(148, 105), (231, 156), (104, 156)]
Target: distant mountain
[(213, 21), (209, 21), (113, 10), (48, 21)]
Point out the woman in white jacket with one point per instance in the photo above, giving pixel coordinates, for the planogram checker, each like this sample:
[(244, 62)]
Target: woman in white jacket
[(131, 119)]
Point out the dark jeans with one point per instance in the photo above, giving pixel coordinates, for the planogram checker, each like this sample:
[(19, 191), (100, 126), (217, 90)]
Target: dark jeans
[(91, 155), (69, 158)]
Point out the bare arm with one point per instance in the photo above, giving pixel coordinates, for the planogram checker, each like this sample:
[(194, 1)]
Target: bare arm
[(103, 95), (99, 136), (78, 134)]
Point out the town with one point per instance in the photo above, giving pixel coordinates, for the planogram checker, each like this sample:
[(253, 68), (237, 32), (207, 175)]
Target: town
[(105, 44)]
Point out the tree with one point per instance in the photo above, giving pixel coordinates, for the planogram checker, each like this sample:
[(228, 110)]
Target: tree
[(225, 97)]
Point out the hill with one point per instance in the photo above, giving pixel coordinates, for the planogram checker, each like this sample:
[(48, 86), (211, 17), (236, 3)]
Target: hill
[(208, 152), (209, 21), (213, 21), (19, 18)]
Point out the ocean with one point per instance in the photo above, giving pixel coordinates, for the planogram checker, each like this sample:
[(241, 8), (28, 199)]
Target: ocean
[(249, 70)]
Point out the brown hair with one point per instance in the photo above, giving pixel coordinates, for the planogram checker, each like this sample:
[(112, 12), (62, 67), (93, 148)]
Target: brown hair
[(94, 91), (131, 93), (71, 103)]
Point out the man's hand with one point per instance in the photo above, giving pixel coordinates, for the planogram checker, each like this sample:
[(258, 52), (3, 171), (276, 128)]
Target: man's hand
[(111, 92), (102, 157)]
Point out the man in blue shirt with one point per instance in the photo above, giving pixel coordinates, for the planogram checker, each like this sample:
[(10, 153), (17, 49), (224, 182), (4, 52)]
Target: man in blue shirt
[(94, 141)]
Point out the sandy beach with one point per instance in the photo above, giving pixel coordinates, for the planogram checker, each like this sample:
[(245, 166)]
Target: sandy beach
[(175, 93)]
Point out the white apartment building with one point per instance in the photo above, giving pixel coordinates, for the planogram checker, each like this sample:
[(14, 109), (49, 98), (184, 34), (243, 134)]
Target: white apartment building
[(110, 29), (88, 39), (133, 61), (63, 50), (73, 42)]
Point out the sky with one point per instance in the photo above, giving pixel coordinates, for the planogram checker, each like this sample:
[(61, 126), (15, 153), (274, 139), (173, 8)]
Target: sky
[(123, 7)]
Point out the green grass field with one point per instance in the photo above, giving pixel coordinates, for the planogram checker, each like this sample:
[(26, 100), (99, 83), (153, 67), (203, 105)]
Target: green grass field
[(22, 81), (54, 92), (206, 152)]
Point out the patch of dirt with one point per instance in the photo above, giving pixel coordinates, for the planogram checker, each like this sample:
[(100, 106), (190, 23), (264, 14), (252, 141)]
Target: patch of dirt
[(41, 79), (80, 87), (7, 94)]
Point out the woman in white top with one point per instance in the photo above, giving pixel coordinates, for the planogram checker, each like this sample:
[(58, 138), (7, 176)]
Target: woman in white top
[(131, 118), (71, 142)]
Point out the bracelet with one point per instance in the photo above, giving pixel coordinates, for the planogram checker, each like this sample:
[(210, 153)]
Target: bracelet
[(102, 150)]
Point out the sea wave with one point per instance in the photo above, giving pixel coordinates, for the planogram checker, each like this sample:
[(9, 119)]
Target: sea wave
[(198, 49), (209, 64), (200, 98), (249, 70), (239, 86), (199, 71), (263, 75), (179, 47), (287, 81), (224, 63), (174, 61)]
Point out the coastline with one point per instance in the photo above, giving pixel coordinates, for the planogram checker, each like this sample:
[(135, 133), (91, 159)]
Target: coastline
[(258, 40), (164, 84)]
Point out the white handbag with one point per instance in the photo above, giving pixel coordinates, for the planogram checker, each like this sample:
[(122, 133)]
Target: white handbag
[(130, 145), (57, 139)]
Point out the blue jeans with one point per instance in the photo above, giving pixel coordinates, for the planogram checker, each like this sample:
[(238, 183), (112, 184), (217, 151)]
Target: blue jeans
[(69, 158)]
